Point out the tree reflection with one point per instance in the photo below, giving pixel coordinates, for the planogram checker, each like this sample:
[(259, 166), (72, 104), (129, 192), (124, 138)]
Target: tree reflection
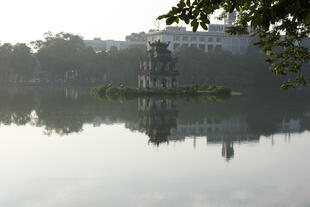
[(163, 119)]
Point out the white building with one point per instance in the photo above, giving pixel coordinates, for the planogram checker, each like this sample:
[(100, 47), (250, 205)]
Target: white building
[(106, 45), (230, 18), (213, 39)]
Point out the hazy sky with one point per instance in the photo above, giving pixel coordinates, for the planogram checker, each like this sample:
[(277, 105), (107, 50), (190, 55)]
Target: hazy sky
[(26, 20)]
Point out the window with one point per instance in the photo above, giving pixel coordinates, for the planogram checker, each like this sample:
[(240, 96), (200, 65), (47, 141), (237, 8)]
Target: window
[(210, 39), (185, 45), (193, 39), (185, 38), (202, 47), (201, 39), (218, 47), (176, 38), (210, 47), (218, 39), (193, 45)]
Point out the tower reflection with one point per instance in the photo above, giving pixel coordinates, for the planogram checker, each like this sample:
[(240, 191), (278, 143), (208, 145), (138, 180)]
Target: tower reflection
[(163, 119), (157, 116), (158, 119)]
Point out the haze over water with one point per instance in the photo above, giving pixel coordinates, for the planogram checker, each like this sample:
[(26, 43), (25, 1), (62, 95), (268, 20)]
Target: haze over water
[(80, 151)]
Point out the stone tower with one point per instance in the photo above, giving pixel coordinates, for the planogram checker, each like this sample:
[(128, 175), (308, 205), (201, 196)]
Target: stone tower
[(158, 67)]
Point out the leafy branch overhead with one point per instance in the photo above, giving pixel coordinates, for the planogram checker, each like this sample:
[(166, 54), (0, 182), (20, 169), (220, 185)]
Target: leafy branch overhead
[(282, 28)]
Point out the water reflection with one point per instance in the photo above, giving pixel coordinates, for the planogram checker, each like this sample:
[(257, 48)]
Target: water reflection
[(157, 118), (103, 157), (163, 119)]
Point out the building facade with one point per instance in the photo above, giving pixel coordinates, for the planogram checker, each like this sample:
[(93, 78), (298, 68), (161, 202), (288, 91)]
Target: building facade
[(158, 67), (214, 39), (230, 18)]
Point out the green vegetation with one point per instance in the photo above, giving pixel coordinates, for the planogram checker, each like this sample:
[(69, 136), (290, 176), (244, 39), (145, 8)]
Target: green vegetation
[(17, 63), (248, 72), (64, 58), (61, 55), (281, 26), (136, 37), (65, 53), (127, 92)]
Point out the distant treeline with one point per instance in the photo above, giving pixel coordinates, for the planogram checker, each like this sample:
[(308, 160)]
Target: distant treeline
[(63, 57)]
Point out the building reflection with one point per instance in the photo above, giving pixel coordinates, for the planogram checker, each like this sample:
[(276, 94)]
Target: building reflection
[(228, 151), (157, 117), (64, 111)]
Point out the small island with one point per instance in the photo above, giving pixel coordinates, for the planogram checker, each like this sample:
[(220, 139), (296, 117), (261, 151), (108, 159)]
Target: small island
[(157, 75)]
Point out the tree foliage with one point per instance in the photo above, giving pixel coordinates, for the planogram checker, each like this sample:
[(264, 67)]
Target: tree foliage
[(281, 25), (136, 37), (240, 72), (16, 62), (60, 53), (63, 53)]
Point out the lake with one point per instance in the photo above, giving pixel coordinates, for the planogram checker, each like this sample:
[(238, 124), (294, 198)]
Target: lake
[(62, 147)]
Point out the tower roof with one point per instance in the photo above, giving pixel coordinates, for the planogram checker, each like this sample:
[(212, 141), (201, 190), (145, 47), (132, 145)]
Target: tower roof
[(159, 44)]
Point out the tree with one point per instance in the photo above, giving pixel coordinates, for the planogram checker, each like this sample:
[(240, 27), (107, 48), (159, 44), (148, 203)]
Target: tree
[(281, 25), (136, 37), (16, 62), (122, 66), (23, 62), (6, 51), (241, 72), (60, 53)]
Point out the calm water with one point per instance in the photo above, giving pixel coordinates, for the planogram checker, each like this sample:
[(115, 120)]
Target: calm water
[(64, 148)]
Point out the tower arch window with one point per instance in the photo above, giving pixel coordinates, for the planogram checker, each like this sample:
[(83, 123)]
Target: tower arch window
[(155, 82), (141, 83), (173, 83), (163, 83), (147, 83)]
